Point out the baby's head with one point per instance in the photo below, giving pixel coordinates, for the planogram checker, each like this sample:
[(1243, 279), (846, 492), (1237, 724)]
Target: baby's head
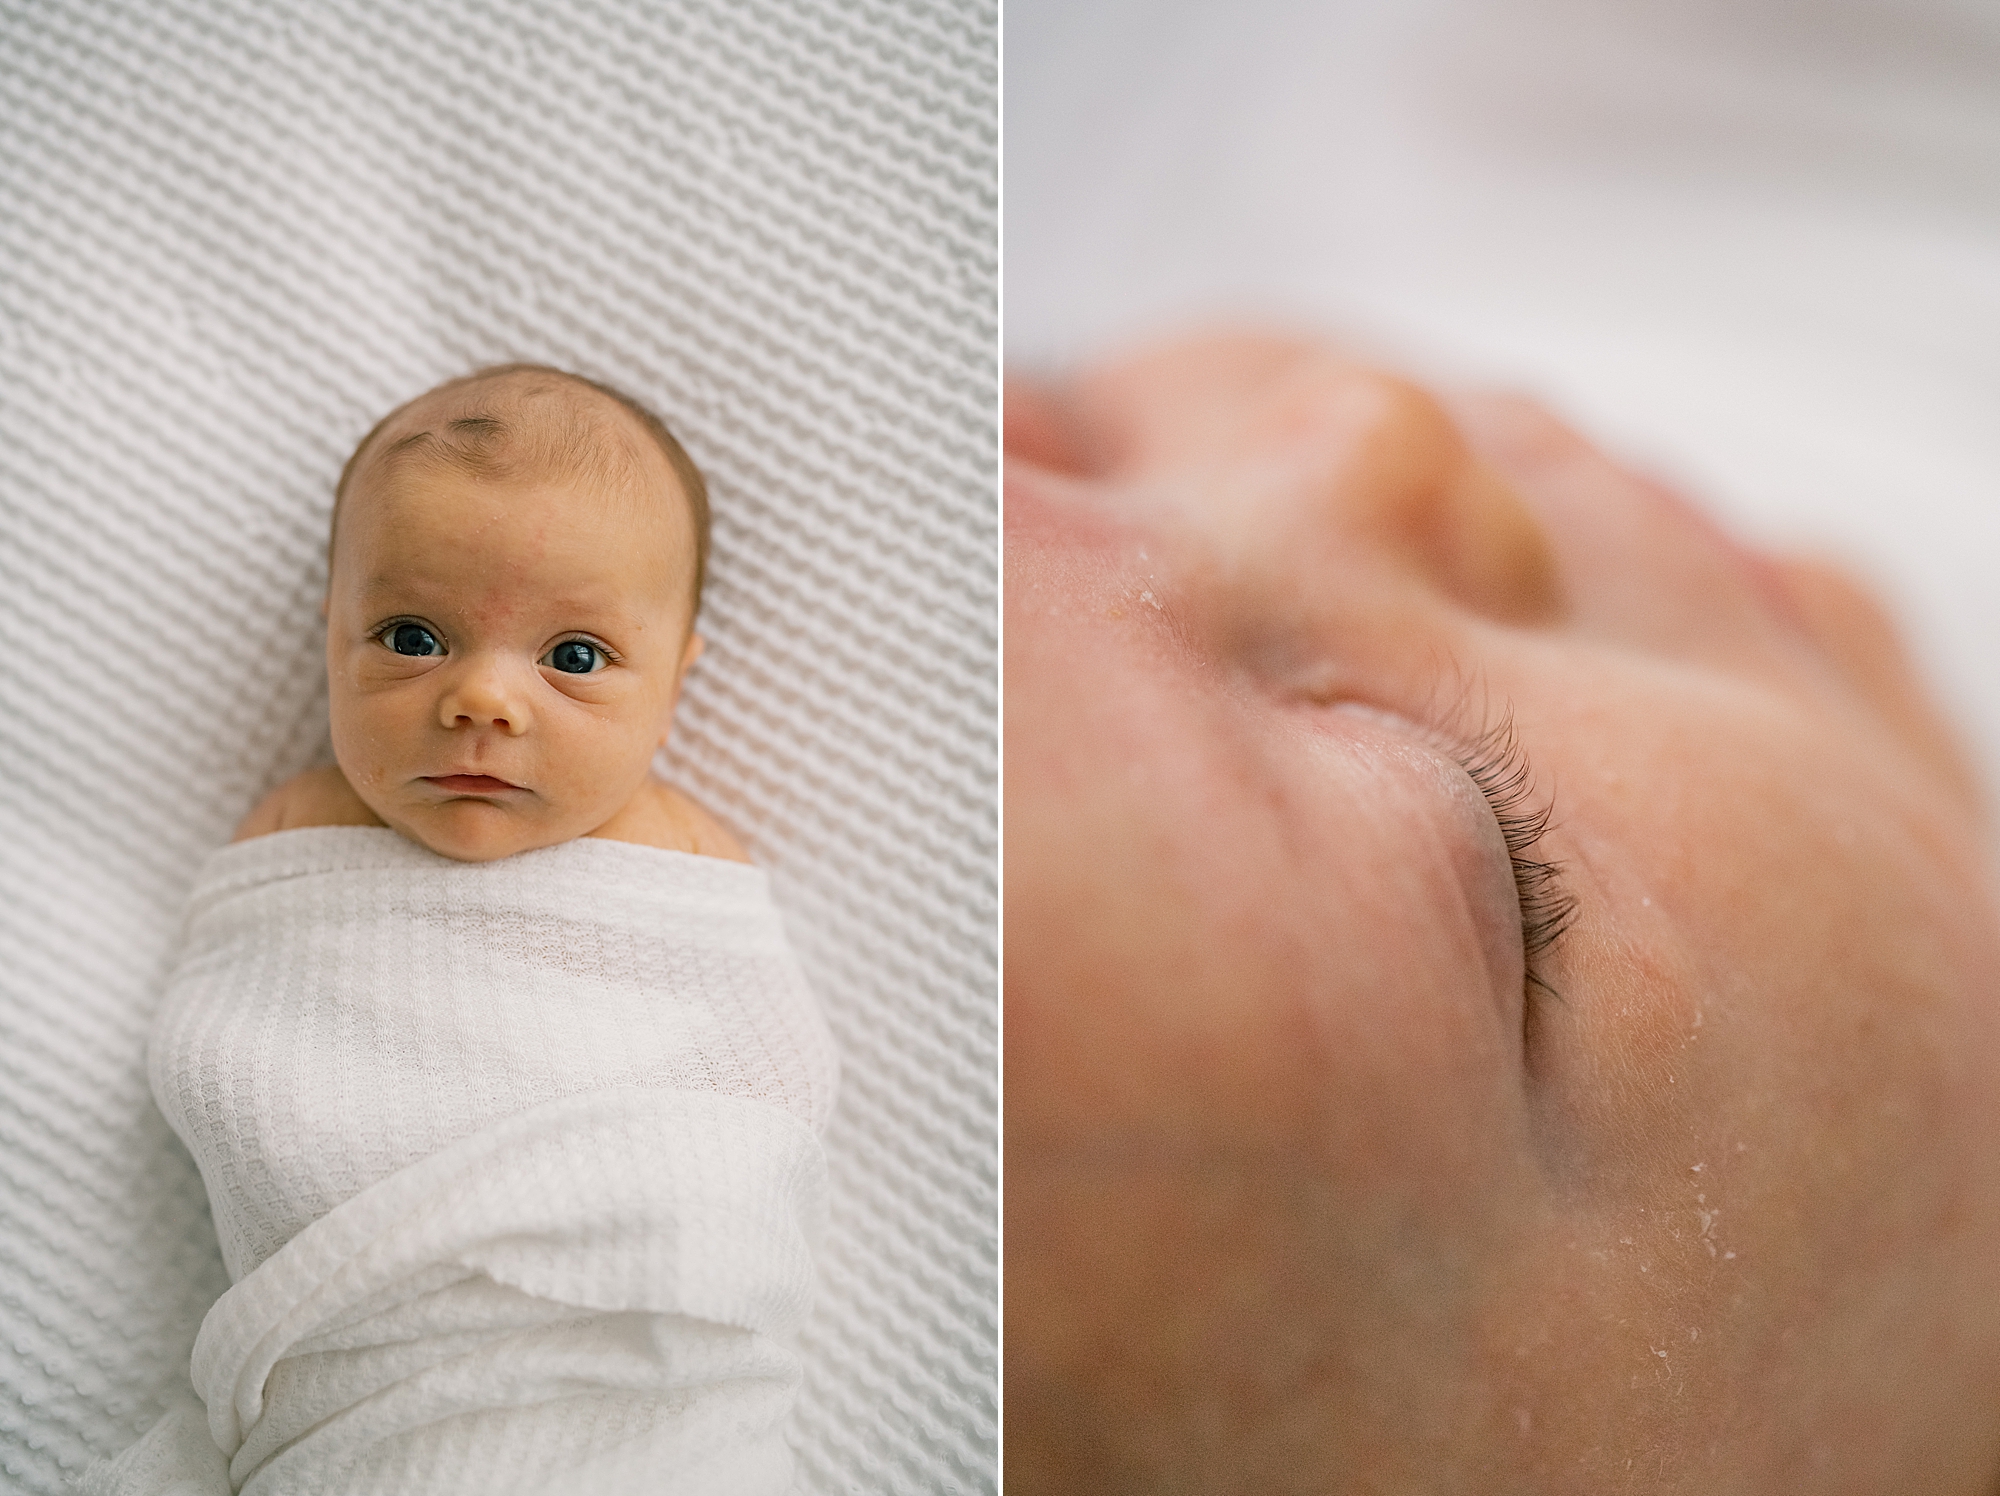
[(516, 562), (1350, 1146)]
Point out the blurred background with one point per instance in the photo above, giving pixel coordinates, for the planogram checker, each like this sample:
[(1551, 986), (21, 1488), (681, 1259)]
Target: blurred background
[(1753, 246)]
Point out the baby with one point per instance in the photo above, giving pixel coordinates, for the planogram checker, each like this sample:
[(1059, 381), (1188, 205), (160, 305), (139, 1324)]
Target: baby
[(1500, 976), (503, 1081), (516, 564)]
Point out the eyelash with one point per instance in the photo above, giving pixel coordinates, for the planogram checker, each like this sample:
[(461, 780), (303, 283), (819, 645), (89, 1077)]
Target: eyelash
[(1498, 764)]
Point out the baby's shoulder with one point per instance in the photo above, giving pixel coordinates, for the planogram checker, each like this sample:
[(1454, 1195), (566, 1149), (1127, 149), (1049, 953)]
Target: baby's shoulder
[(318, 797), (662, 816)]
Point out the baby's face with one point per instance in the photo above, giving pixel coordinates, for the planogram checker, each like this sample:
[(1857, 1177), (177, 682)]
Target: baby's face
[(503, 658), (1309, 1188)]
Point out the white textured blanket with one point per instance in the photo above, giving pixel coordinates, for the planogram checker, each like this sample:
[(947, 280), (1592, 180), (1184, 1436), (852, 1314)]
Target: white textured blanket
[(232, 235), (515, 1166)]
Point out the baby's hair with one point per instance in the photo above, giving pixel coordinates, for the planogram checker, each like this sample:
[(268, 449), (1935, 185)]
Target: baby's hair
[(476, 436)]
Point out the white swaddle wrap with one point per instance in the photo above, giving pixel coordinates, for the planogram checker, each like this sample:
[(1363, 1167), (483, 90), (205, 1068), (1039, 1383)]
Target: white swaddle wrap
[(515, 1167)]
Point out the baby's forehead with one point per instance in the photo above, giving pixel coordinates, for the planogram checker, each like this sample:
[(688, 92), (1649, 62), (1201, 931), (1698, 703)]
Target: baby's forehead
[(531, 535)]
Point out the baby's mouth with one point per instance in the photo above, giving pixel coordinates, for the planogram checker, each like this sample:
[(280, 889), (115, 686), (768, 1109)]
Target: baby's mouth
[(470, 784)]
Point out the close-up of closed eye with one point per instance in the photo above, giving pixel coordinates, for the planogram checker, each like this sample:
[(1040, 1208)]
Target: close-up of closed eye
[(1551, 1033), (1502, 952)]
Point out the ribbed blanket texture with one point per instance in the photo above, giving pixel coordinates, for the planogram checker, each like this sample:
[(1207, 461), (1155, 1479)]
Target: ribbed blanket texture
[(515, 1165), (232, 236)]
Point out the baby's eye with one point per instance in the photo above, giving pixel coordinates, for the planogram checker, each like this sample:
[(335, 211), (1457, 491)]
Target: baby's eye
[(575, 657), (412, 639)]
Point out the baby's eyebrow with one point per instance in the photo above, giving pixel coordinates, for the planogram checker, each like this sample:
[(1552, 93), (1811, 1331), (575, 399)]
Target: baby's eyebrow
[(400, 587), (406, 578)]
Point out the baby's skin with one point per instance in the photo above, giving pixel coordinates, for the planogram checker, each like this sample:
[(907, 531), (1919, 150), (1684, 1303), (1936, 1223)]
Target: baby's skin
[(1346, 1152), (510, 614)]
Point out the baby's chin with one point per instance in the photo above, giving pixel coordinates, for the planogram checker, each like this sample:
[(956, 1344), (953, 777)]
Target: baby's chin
[(480, 831)]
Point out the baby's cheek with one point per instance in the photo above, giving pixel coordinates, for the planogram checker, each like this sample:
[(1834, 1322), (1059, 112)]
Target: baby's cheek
[(1767, 1092), (1614, 1080), (384, 760), (609, 755), (1245, 1326)]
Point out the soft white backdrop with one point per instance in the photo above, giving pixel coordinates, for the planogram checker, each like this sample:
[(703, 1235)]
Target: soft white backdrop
[(1752, 244), (234, 234)]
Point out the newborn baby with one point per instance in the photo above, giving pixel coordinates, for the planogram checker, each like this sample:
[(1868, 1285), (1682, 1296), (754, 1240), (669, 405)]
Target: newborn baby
[(516, 563), (1503, 981), (504, 1084)]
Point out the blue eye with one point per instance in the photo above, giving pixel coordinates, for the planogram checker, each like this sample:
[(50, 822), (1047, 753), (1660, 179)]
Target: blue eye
[(412, 639), (575, 657)]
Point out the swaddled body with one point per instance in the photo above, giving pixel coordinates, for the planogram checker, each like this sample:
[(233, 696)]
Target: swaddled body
[(515, 1165), (507, 1101), (347, 1003)]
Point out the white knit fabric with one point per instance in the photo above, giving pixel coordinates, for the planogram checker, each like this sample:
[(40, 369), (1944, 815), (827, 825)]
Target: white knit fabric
[(347, 1003), (529, 1312), (231, 237), (515, 1166)]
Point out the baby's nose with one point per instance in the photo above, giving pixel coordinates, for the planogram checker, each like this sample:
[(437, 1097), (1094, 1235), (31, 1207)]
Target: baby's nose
[(1295, 467), (483, 693)]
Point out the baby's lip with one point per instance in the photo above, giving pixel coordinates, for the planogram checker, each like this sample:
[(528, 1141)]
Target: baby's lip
[(470, 784)]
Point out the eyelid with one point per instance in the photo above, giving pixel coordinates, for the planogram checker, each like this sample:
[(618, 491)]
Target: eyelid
[(588, 638), (435, 632), (1497, 764)]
